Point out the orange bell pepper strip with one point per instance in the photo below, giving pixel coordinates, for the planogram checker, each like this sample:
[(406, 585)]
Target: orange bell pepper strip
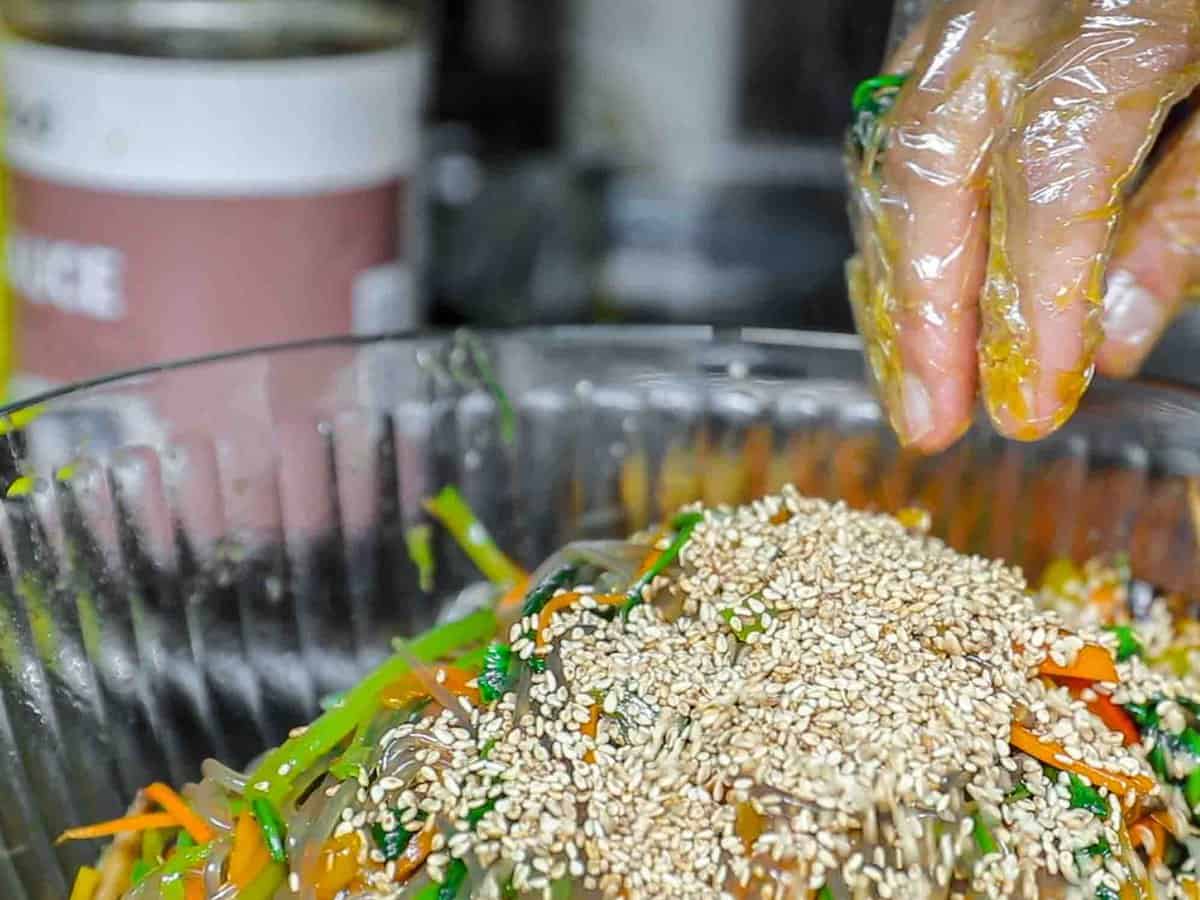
[(414, 855), (562, 601), (1052, 753), (590, 728), (748, 825), (401, 693), (1105, 710), (336, 866), (1150, 830), (249, 855), (1094, 663)]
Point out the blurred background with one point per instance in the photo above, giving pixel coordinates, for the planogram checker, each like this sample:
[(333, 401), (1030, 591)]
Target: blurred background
[(191, 176)]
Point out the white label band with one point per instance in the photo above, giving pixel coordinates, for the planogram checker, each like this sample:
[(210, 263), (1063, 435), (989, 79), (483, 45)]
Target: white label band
[(294, 126)]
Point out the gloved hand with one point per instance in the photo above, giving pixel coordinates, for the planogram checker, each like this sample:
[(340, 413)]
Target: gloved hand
[(986, 197)]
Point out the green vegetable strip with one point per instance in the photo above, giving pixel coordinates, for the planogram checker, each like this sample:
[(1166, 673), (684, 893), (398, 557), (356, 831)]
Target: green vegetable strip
[(181, 862), (1084, 796), (153, 844), (419, 542), (479, 812), (1099, 850), (1191, 791), (265, 885), (273, 829), (140, 870), (1020, 791), (274, 778), (1145, 715), (684, 525), (393, 843), (1188, 741), (449, 508), (456, 874), (825, 893), (355, 756), (984, 838), (541, 593), (496, 679), (866, 90), (1128, 645), (471, 661), (1158, 761), (329, 701)]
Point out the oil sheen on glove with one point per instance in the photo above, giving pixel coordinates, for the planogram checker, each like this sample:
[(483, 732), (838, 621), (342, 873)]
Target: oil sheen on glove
[(987, 193)]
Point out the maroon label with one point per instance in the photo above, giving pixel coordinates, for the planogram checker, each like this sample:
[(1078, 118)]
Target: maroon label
[(108, 280)]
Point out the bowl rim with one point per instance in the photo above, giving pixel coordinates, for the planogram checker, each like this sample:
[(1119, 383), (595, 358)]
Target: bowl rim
[(711, 334), (824, 340)]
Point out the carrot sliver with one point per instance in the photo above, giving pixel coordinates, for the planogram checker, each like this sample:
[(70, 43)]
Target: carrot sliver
[(514, 596), (1105, 710), (1094, 663), (590, 728), (193, 888), (649, 559), (414, 855), (1052, 753), (124, 825), (249, 854), (399, 694), (1157, 833), (562, 601), (171, 802)]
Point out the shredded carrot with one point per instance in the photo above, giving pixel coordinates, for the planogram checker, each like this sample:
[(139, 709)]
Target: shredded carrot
[(1094, 663), (1105, 599), (513, 597), (249, 855), (562, 601), (1053, 753), (404, 691), (143, 822), (655, 553), (171, 802), (414, 855), (590, 728), (1150, 833), (1105, 710), (86, 882), (193, 888)]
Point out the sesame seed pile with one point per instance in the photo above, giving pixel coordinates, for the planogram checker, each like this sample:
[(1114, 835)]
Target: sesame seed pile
[(814, 698)]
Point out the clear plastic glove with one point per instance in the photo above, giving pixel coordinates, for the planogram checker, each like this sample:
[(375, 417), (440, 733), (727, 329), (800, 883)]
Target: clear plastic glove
[(986, 197)]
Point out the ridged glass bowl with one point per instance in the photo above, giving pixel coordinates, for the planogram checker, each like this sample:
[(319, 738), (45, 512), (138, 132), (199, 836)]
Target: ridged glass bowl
[(191, 556)]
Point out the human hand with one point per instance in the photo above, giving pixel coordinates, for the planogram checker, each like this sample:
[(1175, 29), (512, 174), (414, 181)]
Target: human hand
[(986, 198)]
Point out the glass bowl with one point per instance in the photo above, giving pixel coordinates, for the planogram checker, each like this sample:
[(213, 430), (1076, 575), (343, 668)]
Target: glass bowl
[(192, 555)]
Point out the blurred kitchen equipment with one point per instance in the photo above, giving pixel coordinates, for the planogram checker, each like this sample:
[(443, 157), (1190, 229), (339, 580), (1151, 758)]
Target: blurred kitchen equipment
[(188, 176), (697, 175), (173, 586)]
